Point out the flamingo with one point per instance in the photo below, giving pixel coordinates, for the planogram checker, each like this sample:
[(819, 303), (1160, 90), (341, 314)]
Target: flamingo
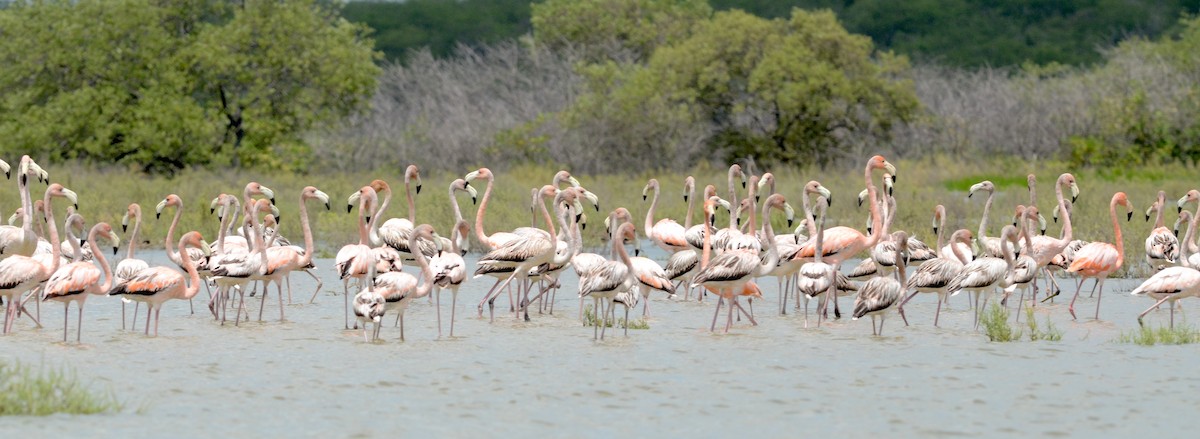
[(74, 282), (985, 273), (1172, 283), (935, 276), (523, 254), (282, 261), (1031, 185), (611, 281), (22, 241), (1025, 268), (842, 243), (1100, 259), (156, 285), (988, 246), (666, 233), (19, 273), (1162, 246), (198, 257), (939, 223), (394, 232), (131, 265), (369, 307), (729, 272), (229, 249), (450, 270), (236, 270), (398, 288), (816, 276), (881, 293), (1043, 248), (1185, 217), (352, 260)]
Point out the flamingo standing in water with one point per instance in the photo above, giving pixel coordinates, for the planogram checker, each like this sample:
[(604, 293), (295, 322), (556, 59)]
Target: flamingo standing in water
[(450, 270), (611, 282), (1162, 246), (22, 240), (131, 265), (881, 293), (816, 276), (369, 307), (353, 260), (842, 243), (1172, 283), (666, 233), (1100, 259), (156, 285), (282, 261), (1043, 248), (74, 282), (20, 274), (398, 288), (988, 246), (983, 274), (935, 276)]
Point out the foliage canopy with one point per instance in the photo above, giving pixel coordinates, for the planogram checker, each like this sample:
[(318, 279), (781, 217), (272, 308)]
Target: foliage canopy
[(164, 85)]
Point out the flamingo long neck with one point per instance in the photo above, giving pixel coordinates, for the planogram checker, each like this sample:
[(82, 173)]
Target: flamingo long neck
[(234, 209), (772, 258), (137, 224), (487, 195), (307, 230), (1062, 206), (168, 242), (454, 203), (876, 221), (376, 217), (426, 274), (733, 199), (259, 243), (546, 216), (1119, 241), (687, 220), (958, 253), (364, 237), (1032, 191), (1006, 252), (619, 249), (754, 206), (706, 249), (820, 232), (26, 202), (76, 249), (900, 265), (941, 229), (890, 205), (193, 284), (1184, 250), (54, 248), (412, 202), (812, 227), (981, 237), (1158, 216), (100, 259), (568, 237), (650, 213)]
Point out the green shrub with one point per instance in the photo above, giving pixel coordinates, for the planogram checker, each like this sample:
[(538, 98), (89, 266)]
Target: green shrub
[(46, 391)]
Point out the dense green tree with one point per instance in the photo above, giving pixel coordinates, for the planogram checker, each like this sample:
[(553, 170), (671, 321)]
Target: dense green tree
[(440, 25), (167, 84), (615, 29)]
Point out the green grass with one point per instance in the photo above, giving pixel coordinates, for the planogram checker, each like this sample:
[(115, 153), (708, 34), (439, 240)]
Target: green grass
[(995, 324), (1144, 336), (1036, 332), (589, 317), (104, 193), (25, 390)]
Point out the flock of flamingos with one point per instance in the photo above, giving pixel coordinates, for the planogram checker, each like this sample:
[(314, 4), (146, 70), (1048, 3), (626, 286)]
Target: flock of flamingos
[(723, 261)]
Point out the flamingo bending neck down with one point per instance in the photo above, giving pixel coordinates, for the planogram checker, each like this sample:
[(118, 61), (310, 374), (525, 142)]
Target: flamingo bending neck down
[(74, 282), (20, 274), (156, 285)]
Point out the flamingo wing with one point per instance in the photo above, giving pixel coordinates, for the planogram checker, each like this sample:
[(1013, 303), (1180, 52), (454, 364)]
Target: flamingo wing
[(1169, 281), (72, 279), (878, 294), (1095, 258), (610, 276), (149, 282)]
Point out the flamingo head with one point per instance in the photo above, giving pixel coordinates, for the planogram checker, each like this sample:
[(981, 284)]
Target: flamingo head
[(1184, 218), (591, 197), (196, 240), (1066, 179), (766, 181), (889, 183), (7, 170), (311, 192), (753, 191), (815, 187), (862, 197), (1122, 199), (460, 185), (1191, 196), (878, 162), (735, 171), (939, 212), (689, 186), (254, 188), (985, 186), (483, 173), (652, 184), (1149, 210), (57, 190), (105, 230), (565, 177), (133, 211), (1030, 182)]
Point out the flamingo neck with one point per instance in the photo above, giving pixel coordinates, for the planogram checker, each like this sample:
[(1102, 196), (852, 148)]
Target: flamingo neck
[(100, 259), (687, 220), (706, 249), (26, 202), (221, 233), (1184, 250), (54, 247), (1158, 216), (820, 233), (168, 242), (733, 199), (376, 215), (981, 237), (364, 237), (812, 227), (1062, 205), (76, 249), (958, 253), (876, 221), (546, 216), (1119, 242), (137, 224), (487, 195), (412, 202), (426, 274), (619, 250), (307, 230), (772, 258), (193, 284), (901, 270), (650, 213), (941, 231), (454, 204)]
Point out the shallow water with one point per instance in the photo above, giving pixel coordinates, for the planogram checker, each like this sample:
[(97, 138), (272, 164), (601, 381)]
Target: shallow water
[(309, 377)]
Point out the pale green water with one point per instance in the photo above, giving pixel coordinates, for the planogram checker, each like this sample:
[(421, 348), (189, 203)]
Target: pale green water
[(309, 378)]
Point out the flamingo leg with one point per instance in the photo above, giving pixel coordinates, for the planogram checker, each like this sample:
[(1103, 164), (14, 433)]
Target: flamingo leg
[(900, 307), (438, 306), (453, 308), (715, 314), (1071, 307), (66, 318), (1099, 296), (938, 313), (626, 319), (1151, 308), (79, 326), (319, 284)]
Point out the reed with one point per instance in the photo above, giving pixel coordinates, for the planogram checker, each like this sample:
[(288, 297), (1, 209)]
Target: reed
[(1144, 336), (995, 324), (590, 319), (1037, 331), (25, 390)]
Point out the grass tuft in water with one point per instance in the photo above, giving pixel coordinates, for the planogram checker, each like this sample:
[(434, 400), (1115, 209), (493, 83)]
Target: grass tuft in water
[(589, 317), (1182, 334), (995, 324), (1050, 333), (26, 391)]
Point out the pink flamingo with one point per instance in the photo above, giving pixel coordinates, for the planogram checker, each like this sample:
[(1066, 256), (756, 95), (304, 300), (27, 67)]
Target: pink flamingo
[(729, 272), (611, 282), (841, 242), (22, 240), (353, 260), (131, 265), (881, 293), (1100, 259), (156, 285), (20, 274), (1162, 246), (1043, 248), (666, 233), (74, 282), (282, 261), (1172, 283), (398, 288), (450, 270), (935, 276)]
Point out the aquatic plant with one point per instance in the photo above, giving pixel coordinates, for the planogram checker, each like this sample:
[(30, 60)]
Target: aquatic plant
[(590, 319), (1050, 333), (25, 390), (1180, 334), (995, 324)]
